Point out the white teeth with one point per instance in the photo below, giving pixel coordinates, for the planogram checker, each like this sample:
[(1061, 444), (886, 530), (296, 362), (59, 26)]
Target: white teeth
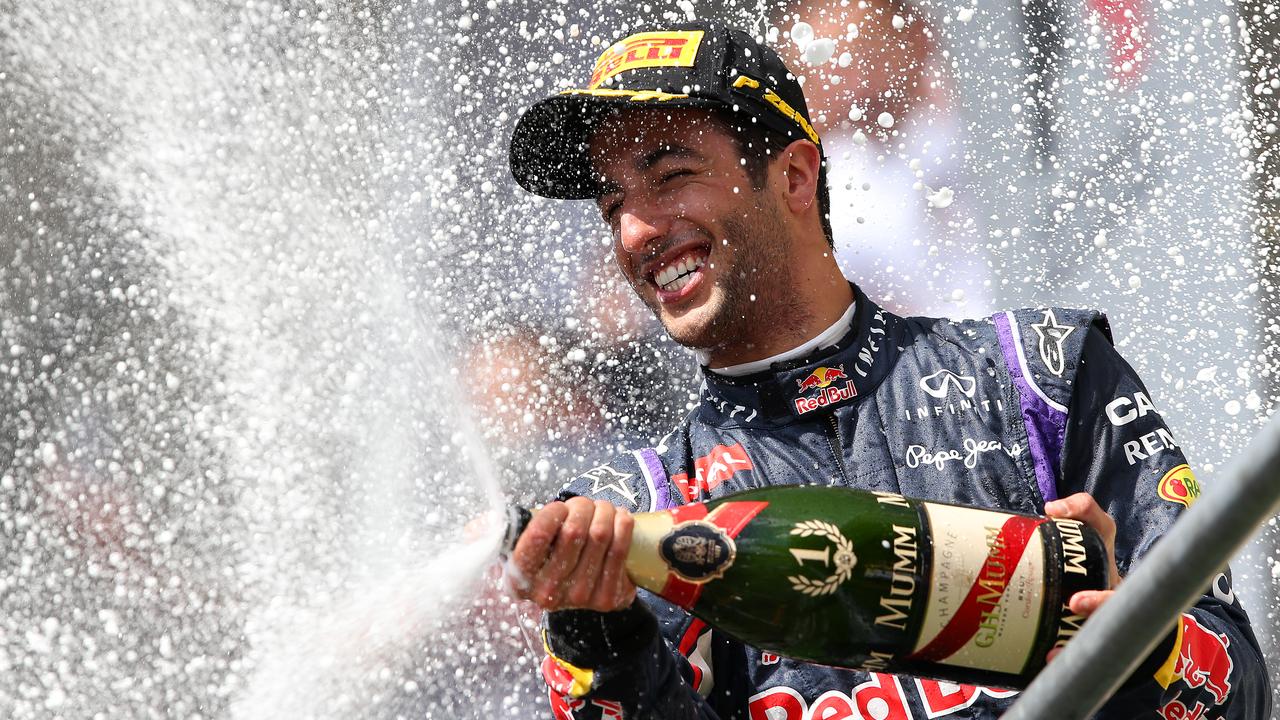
[(676, 275), (679, 283)]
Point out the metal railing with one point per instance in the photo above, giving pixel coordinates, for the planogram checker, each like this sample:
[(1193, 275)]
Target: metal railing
[(1164, 583)]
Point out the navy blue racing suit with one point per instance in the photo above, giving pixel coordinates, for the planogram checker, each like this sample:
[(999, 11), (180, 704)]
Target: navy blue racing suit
[(1007, 412)]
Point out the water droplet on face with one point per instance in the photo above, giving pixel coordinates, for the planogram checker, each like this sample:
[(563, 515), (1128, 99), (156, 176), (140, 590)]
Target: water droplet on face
[(885, 120)]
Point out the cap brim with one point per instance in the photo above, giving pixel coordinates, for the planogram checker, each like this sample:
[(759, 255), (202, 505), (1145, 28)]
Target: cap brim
[(550, 148)]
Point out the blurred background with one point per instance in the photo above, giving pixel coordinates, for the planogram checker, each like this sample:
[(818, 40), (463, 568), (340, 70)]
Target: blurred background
[(275, 321)]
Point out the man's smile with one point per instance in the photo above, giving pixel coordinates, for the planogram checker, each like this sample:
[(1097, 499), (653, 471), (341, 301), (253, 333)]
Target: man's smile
[(678, 272)]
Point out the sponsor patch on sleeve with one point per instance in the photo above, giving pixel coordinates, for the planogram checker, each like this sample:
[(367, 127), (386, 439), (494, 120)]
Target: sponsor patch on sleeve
[(564, 678), (713, 469), (1179, 486)]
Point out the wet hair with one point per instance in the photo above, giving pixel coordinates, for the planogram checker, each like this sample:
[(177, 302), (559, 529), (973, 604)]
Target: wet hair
[(758, 145)]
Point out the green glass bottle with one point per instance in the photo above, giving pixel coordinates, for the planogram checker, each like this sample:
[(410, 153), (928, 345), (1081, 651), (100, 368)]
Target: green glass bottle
[(874, 580)]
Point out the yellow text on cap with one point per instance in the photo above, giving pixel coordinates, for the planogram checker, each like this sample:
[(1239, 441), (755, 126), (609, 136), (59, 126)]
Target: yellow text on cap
[(673, 48)]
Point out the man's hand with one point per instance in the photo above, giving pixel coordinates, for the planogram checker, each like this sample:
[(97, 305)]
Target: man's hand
[(1084, 508), (571, 555)]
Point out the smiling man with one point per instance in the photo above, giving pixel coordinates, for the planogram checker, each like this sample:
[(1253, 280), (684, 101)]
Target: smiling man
[(695, 229), (695, 142)]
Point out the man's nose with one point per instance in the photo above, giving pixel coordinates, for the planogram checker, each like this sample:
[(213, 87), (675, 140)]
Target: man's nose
[(638, 230)]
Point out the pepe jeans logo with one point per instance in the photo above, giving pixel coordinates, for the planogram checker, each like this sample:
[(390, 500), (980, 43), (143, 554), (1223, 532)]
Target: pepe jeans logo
[(918, 455), (839, 563), (940, 383), (697, 551)]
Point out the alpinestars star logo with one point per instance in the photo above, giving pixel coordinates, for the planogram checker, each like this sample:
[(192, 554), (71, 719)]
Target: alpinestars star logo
[(606, 478), (941, 382), (1052, 336)]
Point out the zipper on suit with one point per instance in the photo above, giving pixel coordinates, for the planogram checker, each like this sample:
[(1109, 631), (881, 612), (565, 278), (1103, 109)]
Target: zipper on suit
[(833, 442)]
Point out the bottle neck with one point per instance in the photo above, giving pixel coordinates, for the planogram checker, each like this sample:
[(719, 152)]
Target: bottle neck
[(517, 520)]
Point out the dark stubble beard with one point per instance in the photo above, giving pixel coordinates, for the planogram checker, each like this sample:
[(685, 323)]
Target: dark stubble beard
[(761, 267)]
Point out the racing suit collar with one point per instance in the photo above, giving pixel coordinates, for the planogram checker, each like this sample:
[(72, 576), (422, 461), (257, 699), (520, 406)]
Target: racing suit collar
[(827, 338), (816, 384)]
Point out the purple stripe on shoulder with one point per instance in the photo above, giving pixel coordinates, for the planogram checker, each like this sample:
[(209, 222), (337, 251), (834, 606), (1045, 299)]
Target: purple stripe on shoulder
[(1046, 426), (657, 476)]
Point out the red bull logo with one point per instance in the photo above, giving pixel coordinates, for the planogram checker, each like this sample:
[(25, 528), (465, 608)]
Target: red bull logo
[(1175, 710), (883, 697), (822, 377), (824, 380), (1203, 660), (1179, 486)]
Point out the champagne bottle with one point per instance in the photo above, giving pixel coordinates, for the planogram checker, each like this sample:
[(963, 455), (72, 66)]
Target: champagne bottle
[(874, 580)]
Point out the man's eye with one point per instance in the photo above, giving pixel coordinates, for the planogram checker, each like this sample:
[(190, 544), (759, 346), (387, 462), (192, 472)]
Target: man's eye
[(672, 175), (609, 210)]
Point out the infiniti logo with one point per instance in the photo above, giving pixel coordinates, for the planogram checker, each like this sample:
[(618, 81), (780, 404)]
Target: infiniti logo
[(938, 384)]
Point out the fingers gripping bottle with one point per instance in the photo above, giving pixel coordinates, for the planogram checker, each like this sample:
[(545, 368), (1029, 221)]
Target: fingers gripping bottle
[(874, 580)]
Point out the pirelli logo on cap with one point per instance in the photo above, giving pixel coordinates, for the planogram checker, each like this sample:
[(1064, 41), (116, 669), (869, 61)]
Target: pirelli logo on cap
[(778, 104), (633, 95), (675, 48)]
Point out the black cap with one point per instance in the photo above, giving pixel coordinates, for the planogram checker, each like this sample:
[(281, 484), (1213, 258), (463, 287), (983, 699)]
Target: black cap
[(697, 64)]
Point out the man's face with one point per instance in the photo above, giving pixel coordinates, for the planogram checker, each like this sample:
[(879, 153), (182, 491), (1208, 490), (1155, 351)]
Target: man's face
[(700, 246)]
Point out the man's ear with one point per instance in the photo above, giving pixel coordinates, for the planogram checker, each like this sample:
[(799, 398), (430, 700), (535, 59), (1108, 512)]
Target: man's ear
[(801, 162)]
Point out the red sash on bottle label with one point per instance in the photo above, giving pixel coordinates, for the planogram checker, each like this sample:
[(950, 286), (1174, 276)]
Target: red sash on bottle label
[(1014, 536), (731, 517)]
